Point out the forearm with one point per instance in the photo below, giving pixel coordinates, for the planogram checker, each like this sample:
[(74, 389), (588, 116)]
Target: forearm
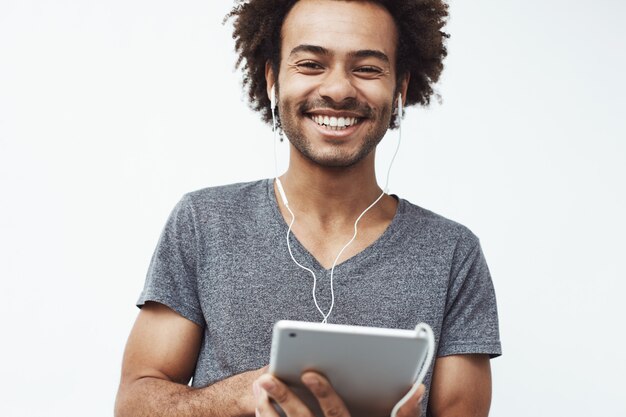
[(154, 397)]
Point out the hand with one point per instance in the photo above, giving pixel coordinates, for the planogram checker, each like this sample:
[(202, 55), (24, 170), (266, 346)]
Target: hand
[(268, 387), (331, 404)]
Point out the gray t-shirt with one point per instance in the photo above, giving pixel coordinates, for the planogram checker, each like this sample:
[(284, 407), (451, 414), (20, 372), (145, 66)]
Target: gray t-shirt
[(222, 262)]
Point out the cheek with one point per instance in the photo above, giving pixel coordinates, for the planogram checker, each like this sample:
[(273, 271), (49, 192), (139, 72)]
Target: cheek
[(294, 86), (288, 110), (376, 94)]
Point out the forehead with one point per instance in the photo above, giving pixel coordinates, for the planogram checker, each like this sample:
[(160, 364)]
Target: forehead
[(339, 26)]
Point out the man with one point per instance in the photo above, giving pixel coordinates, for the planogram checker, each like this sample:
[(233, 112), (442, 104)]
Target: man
[(222, 274)]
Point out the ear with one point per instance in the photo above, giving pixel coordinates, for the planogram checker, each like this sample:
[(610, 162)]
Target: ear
[(269, 78), (404, 86)]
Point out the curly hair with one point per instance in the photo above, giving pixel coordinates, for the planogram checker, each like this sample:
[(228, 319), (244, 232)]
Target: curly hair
[(421, 45)]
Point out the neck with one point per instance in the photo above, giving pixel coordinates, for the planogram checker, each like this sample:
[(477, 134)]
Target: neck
[(330, 194)]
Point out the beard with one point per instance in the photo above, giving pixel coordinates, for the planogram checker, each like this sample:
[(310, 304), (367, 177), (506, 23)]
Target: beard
[(291, 119)]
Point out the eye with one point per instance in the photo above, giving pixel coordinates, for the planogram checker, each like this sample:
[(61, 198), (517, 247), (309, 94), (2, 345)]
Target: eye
[(309, 67), (369, 71), (310, 64)]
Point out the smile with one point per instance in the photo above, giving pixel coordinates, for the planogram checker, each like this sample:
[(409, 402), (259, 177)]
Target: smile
[(334, 123)]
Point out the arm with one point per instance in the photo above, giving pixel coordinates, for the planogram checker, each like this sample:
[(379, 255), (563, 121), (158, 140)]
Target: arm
[(461, 386), (158, 363)]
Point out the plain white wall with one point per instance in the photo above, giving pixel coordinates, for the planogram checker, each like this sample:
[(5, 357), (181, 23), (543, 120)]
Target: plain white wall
[(111, 110)]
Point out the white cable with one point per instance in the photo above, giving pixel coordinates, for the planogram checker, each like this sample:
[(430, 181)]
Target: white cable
[(386, 189), (332, 270), (422, 327), (274, 131), (293, 218), (393, 158)]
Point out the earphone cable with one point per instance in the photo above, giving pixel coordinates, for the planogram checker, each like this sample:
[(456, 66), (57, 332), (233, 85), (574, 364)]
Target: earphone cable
[(430, 337), (332, 270), (293, 218), (393, 158), (385, 190), (274, 140)]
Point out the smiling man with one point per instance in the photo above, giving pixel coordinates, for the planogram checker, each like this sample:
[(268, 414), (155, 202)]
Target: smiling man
[(222, 273)]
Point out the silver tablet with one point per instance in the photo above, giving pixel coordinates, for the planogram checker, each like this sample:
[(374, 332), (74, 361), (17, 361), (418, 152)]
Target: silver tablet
[(370, 368)]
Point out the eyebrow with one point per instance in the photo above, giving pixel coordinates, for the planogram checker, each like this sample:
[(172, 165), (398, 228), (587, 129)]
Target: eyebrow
[(320, 50), (310, 48), (367, 53)]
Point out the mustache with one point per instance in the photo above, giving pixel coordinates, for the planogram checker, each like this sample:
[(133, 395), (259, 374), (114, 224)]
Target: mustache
[(347, 105)]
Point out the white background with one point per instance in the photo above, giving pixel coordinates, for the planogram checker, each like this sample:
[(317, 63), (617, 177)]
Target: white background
[(111, 110)]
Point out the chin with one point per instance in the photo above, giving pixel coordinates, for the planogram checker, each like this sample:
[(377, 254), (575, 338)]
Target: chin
[(335, 159)]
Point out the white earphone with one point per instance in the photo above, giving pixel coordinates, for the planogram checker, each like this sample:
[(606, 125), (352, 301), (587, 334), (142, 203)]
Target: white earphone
[(273, 110), (273, 98)]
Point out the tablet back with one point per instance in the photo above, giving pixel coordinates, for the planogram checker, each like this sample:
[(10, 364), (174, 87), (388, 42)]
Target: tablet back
[(370, 368)]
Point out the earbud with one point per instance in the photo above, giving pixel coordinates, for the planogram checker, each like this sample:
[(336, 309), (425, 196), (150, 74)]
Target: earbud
[(273, 111), (400, 105), (273, 98)]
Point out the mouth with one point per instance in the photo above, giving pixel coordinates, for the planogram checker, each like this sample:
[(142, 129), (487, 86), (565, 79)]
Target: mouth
[(334, 122)]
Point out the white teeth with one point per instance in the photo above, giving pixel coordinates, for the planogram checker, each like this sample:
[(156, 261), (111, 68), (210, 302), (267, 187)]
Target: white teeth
[(334, 123)]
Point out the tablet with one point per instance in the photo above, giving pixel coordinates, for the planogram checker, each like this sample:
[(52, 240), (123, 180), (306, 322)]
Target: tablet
[(370, 368)]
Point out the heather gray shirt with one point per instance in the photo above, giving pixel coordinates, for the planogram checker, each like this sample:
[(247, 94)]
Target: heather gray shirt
[(222, 262)]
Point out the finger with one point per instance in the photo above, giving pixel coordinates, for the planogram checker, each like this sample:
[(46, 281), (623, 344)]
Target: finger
[(283, 396), (413, 407), (331, 404), (263, 405)]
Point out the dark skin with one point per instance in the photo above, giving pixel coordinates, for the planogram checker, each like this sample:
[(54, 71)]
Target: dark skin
[(163, 347), (159, 361)]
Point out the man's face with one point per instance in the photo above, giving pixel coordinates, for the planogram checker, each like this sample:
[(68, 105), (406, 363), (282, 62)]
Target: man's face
[(337, 79)]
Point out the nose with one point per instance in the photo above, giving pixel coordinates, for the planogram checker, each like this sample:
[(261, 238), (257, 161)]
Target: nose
[(337, 86)]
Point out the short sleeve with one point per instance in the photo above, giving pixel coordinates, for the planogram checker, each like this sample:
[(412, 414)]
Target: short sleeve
[(172, 277), (470, 323)]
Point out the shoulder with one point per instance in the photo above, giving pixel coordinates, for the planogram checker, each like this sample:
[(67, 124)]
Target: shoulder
[(429, 225), (223, 197), (239, 192), (228, 202)]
